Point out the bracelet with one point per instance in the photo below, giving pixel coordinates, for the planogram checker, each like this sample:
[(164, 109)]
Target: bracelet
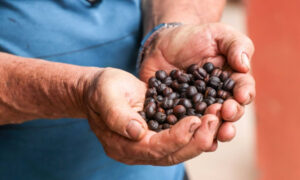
[(150, 37)]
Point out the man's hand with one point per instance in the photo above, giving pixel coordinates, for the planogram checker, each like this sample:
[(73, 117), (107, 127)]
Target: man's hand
[(114, 100), (177, 48)]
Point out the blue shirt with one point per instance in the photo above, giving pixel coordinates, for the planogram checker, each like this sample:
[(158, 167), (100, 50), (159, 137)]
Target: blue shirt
[(69, 31)]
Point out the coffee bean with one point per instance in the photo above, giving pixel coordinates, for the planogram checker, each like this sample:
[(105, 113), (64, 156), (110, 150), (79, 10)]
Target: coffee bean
[(167, 91), (171, 119), (153, 82), (143, 114), (223, 94), (224, 75), (151, 92), (210, 92), (167, 103), (183, 87), (171, 95), (200, 85), (153, 125), (161, 88), (228, 84), (159, 98), (161, 75), (183, 78), (169, 111), (200, 73), (148, 100), (159, 128), (191, 91), (175, 85), (160, 110), (186, 103), (214, 82), (209, 67), (191, 112), (176, 101), (179, 110), (183, 95), (166, 126), (160, 117), (216, 72), (150, 111), (167, 81), (200, 107), (192, 68), (172, 73), (210, 100), (197, 98), (219, 100)]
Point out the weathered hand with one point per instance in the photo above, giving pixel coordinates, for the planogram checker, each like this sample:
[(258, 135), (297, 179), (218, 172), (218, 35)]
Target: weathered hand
[(114, 99), (177, 48)]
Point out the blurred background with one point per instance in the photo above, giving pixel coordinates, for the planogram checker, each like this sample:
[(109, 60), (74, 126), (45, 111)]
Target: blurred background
[(267, 143)]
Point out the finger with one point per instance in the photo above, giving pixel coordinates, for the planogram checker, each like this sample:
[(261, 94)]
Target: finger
[(214, 146), (244, 90), (231, 110), (214, 109), (202, 141), (127, 122), (237, 47), (167, 141), (226, 132)]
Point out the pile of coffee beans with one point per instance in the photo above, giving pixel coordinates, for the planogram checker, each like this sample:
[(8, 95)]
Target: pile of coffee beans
[(171, 97)]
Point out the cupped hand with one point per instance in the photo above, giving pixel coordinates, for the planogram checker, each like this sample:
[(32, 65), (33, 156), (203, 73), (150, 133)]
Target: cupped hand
[(114, 99), (177, 48)]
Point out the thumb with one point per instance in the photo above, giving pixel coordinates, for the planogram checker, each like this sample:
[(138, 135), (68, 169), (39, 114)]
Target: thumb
[(125, 121), (237, 47)]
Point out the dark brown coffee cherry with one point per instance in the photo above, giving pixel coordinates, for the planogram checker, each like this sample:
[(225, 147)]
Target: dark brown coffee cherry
[(160, 117), (167, 103), (191, 91), (210, 92), (223, 94), (224, 75), (183, 78), (200, 85), (192, 68), (161, 110), (153, 82), (210, 100), (176, 101), (183, 87), (151, 92), (198, 115), (169, 111), (150, 110), (166, 126), (143, 114), (172, 73), (161, 88), (228, 84), (171, 119), (161, 75), (175, 85), (186, 103), (219, 100), (216, 72), (200, 107), (197, 98), (214, 82), (191, 112), (167, 91), (148, 100), (159, 98), (153, 125), (200, 73), (179, 110), (172, 95), (167, 81), (209, 67)]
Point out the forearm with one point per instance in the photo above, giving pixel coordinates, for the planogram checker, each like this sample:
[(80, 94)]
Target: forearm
[(184, 11), (32, 88)]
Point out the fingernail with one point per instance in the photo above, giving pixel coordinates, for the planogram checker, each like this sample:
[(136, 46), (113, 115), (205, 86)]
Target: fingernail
[(234, 114), (134, 129), (245, 60), (212, 125)]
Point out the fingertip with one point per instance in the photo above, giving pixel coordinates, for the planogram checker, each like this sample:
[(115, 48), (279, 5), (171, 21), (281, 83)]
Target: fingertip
[(135, 130), (226, 132), (229, 110)]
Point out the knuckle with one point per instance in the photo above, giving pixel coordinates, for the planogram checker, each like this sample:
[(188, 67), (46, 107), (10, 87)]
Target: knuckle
[(172, 160), (154, 155), (181, 139)]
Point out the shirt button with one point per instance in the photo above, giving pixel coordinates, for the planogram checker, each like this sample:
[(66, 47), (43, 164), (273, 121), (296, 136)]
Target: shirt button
[(93, 2)]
